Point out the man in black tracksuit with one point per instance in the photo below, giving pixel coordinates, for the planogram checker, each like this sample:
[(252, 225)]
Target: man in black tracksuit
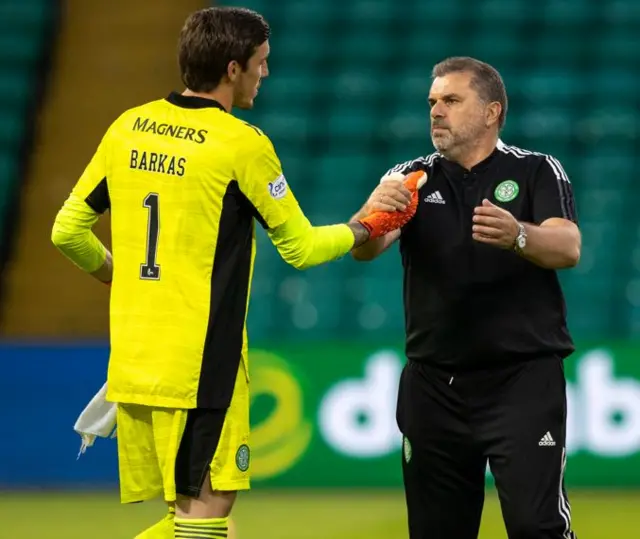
[(486, 333)]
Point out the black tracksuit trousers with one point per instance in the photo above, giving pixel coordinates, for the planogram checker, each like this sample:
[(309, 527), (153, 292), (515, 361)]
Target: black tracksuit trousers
[(512, 417)]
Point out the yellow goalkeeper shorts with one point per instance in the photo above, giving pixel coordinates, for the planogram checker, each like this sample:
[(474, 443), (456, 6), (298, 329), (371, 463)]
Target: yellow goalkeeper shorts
[(168, 452)]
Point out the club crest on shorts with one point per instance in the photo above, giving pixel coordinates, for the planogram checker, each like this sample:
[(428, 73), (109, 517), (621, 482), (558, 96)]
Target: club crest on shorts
[(242, 458), (506, 191), (406, 449)]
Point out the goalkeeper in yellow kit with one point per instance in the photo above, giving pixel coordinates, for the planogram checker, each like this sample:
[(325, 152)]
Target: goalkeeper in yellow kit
[(185, 181)]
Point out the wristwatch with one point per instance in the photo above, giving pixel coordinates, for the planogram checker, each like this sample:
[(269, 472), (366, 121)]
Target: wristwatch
[(521, 239)]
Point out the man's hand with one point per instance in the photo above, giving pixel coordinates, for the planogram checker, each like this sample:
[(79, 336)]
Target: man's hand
[(390, 195), (382, 222), (104, 273), (494, 226)]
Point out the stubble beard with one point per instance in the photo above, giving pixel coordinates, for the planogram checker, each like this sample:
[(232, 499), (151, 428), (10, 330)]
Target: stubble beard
[(453, 145)]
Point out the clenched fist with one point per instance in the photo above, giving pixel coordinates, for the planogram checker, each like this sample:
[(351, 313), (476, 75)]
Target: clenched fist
[(389, 207), (390, 195)]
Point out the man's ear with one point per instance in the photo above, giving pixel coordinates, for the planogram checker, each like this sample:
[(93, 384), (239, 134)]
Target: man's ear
[(233, 70), (492, 113)]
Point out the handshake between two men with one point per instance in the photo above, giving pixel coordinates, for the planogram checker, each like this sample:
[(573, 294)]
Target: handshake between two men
[(392, 204)]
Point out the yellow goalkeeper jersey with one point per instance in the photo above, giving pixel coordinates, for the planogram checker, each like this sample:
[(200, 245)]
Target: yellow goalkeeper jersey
[(183, 180)]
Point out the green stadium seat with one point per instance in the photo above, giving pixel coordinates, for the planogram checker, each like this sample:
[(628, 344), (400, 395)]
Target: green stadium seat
[(343, 174), (12, 129), (571, 13), (620, 46), (18, 47), (301, 44), (351, 122), (295, 169), (287, 124), (369, 11), (15, 85), (622, 12), (311, 11), (619, 81), (540, 86), (499, 12), (494, 48), (446, 13), (544, 122), (290, 87), (26, 13), (363, 46), (24, 24)]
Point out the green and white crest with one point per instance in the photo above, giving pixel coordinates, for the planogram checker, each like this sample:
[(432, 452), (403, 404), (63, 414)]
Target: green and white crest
[(406, 449), (506, 191), (242, 458)]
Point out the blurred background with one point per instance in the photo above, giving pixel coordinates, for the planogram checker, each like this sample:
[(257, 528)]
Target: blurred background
[(345, 101)]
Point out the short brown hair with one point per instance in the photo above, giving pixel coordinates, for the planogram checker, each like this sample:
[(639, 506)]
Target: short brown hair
[(213, 37), (485, 80)]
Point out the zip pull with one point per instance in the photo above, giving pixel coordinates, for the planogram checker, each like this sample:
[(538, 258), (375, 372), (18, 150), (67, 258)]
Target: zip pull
[(451, 381)]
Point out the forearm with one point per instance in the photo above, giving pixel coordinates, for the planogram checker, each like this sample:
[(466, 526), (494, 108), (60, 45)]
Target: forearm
[(72, 236), (85, 251), (303, 246), (552, 247)]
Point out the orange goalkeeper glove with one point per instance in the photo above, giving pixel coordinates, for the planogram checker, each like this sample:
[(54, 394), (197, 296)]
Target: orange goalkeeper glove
[(382, 222)]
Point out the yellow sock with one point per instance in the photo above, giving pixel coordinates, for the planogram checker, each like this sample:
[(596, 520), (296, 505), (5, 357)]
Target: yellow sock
[(201, 528), (160, 530)]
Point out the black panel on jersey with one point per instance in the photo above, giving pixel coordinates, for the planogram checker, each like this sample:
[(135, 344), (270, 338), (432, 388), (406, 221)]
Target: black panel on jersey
[(258, 217), (229, 291), (98, 199)]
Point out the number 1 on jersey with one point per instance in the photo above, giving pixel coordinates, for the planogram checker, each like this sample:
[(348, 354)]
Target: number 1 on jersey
[(150, 270)]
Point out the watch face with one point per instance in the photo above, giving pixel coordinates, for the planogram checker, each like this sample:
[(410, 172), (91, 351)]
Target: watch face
[(522, 242)]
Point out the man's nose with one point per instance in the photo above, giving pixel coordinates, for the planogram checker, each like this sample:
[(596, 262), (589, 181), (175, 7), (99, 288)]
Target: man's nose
[(437, 111)]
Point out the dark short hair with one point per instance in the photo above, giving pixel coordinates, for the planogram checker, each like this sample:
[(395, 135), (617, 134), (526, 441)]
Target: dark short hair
[(213, 37), (485, 80)]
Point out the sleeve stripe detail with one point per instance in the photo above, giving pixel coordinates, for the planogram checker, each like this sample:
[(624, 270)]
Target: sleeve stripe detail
[(427, 161), (564, 188), (567, 204)]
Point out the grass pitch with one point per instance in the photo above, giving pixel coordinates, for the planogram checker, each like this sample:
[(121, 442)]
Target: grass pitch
[(291, 514)]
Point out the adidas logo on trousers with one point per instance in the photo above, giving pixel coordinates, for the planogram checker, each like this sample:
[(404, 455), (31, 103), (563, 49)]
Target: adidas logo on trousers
[(547, 440)]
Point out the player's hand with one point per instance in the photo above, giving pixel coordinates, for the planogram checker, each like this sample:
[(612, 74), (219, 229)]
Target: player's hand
[(494, 226), (380, 223), (390, 195)]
